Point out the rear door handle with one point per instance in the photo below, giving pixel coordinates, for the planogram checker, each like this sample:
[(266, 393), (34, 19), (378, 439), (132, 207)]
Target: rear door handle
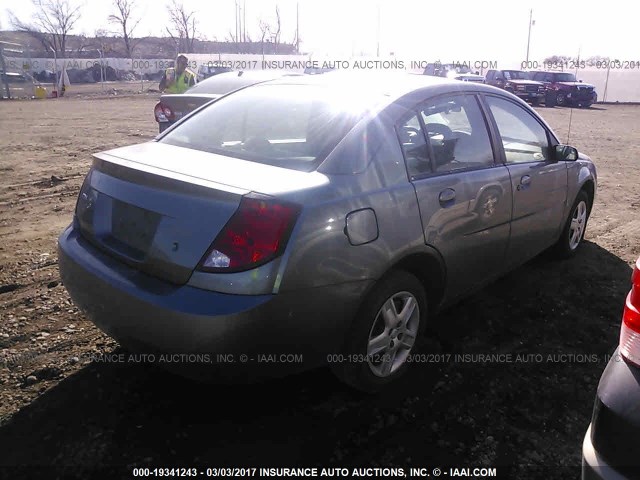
[(447, 195)]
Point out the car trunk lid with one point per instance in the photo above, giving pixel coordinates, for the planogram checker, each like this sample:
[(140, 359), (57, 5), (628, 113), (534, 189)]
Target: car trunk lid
[(159, 207), (183, 104)]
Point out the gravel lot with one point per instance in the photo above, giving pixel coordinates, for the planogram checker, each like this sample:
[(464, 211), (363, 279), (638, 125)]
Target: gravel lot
[(556, 321)]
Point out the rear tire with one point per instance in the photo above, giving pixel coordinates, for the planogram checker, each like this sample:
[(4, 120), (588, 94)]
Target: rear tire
[(383, 334), (549, 99), (574, 229)]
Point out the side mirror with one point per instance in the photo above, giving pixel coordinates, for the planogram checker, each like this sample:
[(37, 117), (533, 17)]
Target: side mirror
[(565, 153), (580, 81)]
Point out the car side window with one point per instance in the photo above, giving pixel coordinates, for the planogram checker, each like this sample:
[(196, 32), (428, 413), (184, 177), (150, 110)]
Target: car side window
[(414, 146), (523, 138), (491, 74), (457, 133)]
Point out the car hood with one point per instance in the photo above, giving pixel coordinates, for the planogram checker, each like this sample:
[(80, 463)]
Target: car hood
[(524, 82), (469, 78), (576, 84)]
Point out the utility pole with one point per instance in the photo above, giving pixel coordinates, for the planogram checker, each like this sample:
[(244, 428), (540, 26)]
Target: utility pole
[(298, 27), (378, 33), (529, 37)]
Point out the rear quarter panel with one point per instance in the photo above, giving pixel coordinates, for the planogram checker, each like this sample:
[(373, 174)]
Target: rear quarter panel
[(320, 252)]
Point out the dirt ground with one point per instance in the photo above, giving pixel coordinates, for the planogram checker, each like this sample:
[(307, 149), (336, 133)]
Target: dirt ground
[(59, 407)]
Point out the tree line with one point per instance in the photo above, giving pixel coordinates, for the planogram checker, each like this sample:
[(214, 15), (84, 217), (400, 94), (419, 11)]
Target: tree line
[(55, 20)]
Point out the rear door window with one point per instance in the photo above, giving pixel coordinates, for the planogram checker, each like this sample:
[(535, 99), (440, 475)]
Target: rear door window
[(457, 133)]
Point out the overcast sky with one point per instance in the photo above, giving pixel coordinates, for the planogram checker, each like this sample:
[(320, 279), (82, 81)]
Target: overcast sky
[(446, 31)]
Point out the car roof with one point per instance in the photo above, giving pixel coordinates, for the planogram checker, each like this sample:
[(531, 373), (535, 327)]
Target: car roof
[(229, 81), (392, 85)]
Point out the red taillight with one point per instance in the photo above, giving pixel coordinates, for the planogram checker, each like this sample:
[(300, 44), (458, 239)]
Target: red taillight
[(630, 331), (256, 234), (163, 113)]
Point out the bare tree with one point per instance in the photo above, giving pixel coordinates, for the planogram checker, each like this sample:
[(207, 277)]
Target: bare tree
[(276, 34), (265, 29), (183, 26), (127, 23), (52, 23), (272, 32)]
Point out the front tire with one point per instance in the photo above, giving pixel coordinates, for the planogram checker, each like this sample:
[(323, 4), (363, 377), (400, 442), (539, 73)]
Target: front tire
[(561, 99), (573, 232), (384, 333), (549, 99)]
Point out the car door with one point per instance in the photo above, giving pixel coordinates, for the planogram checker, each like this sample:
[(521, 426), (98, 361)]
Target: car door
[(463, 194), (539, 183)]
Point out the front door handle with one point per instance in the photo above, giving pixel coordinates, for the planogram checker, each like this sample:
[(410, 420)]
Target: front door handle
[(447, 195), (525, 181)]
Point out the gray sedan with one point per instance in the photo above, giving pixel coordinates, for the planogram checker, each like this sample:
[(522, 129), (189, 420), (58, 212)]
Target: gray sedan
[(318, 219)]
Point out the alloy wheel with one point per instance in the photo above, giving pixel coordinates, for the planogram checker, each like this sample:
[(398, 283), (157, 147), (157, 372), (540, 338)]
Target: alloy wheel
[(393, 334), (578, 223)]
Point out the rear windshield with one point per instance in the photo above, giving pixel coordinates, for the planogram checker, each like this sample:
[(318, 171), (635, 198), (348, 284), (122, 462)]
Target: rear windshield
[(292, 126)]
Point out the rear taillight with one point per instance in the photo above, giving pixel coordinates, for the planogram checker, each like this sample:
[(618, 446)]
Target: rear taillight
[(630, 331), (256, 234), (163, 113)]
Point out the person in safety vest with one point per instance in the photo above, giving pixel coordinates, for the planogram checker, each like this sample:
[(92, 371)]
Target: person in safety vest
[(178, 79)]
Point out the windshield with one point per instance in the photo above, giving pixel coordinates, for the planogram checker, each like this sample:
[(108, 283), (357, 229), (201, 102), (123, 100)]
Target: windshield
[(565, 77), (291, 126), (516, 75)]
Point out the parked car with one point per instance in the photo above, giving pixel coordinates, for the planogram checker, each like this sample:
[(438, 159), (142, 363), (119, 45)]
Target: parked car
[(469, 77), (563, 89), (172, 107), (318, 70), (610, 450), (326, 218), (210, 70), (448, 70), (518, 83), (20, 84)]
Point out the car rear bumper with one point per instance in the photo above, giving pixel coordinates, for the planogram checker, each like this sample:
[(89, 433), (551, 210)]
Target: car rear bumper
[(594, 467), (148, 315), (610, 449)]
